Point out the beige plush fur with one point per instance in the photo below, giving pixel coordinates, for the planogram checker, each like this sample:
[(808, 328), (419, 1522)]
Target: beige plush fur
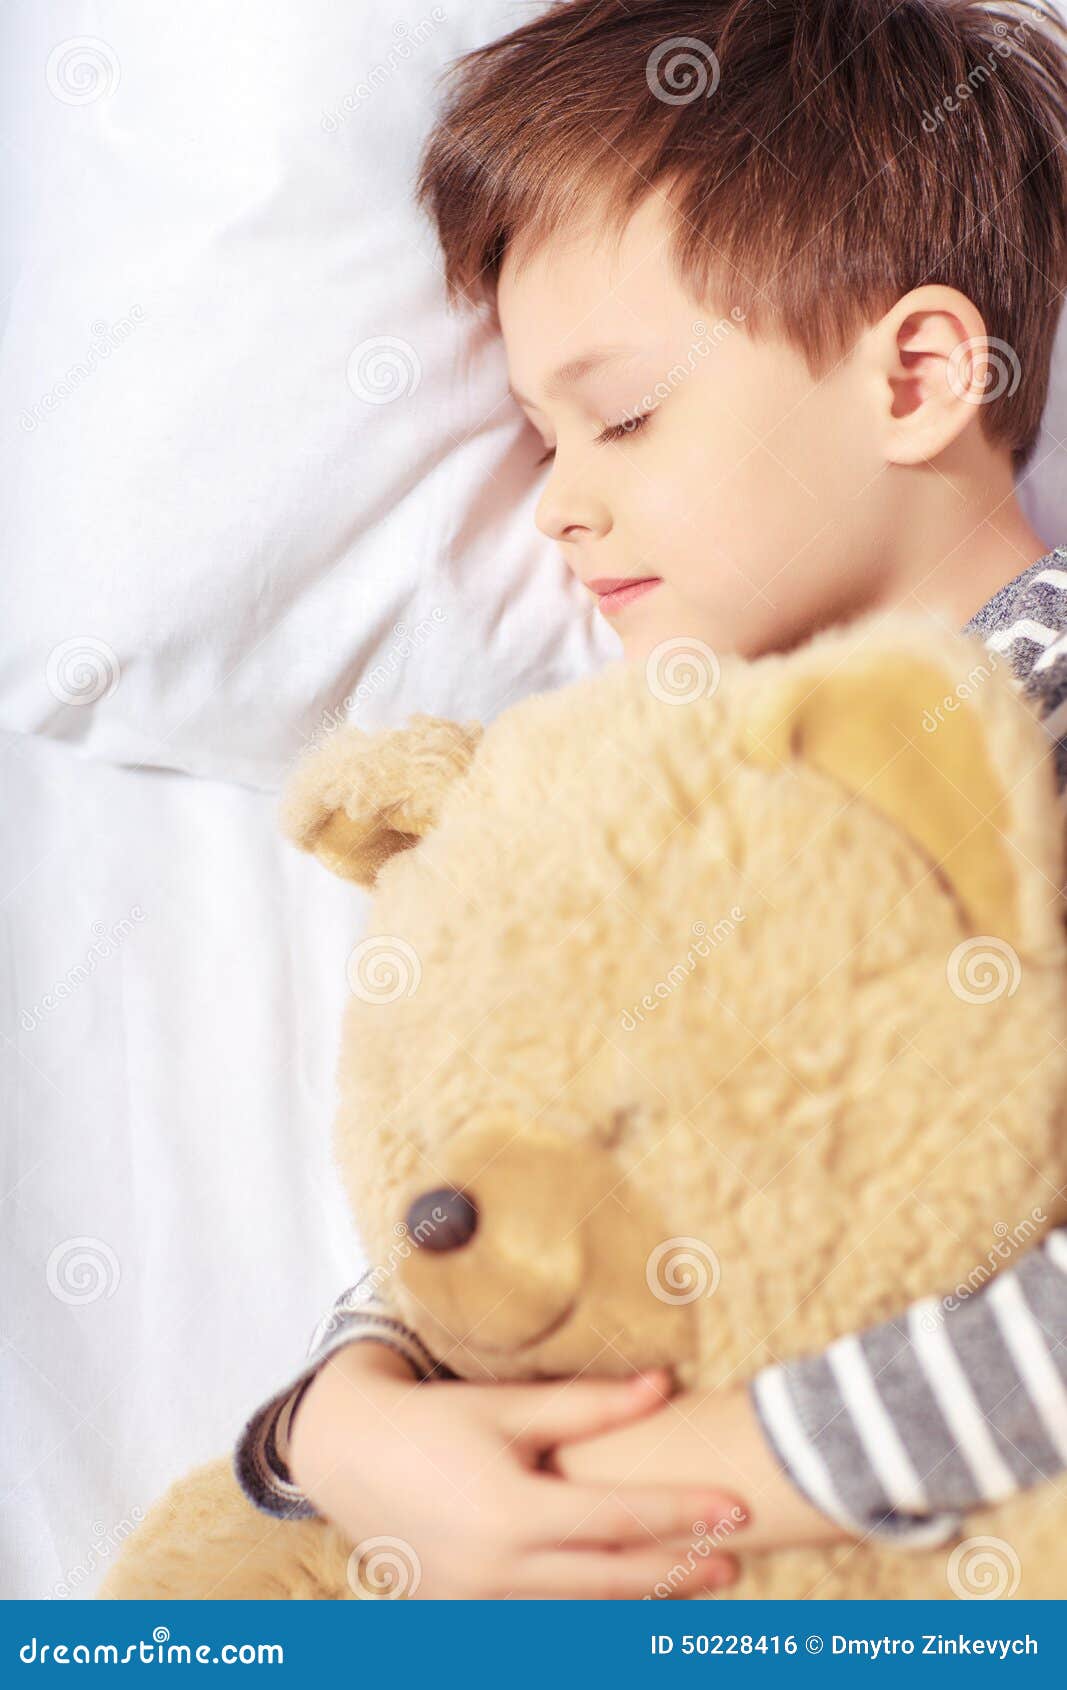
[(767, 985)]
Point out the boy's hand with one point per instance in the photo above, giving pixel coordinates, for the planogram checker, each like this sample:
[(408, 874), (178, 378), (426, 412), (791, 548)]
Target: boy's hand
[(455, 1470), (706, 1438)]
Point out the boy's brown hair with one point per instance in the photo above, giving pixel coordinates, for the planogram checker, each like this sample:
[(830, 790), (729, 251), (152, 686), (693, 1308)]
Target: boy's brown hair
[(823, 157)]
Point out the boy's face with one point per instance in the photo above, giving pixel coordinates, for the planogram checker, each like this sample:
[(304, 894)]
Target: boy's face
[(753, 493)]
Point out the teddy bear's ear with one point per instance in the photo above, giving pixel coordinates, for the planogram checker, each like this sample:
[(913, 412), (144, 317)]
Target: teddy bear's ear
[(359, 798), (918, 724)]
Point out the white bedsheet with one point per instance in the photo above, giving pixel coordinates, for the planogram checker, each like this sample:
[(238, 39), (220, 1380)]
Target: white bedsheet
[(173, 1107)]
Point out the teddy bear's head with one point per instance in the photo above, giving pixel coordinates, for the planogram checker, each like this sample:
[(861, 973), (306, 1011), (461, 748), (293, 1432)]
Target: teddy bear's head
[(702, 1016)]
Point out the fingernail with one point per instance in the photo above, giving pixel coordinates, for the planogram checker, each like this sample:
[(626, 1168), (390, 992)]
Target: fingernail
[(723, 1515), (657, 1376)]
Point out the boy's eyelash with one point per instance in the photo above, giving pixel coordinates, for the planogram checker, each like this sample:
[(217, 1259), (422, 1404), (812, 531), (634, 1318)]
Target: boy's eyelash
[(619, 431), (614, 431)]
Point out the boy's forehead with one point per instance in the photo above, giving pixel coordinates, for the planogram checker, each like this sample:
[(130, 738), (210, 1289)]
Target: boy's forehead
[(583, 300)]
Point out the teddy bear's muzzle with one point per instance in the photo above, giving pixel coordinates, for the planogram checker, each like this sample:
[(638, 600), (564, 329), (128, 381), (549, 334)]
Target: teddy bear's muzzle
[(528, 1246)]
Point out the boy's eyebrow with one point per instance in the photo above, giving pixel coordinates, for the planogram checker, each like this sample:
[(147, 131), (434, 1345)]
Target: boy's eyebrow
[(573, 370)]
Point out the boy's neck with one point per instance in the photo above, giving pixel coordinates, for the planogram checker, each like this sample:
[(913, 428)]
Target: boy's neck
[(959, 544)]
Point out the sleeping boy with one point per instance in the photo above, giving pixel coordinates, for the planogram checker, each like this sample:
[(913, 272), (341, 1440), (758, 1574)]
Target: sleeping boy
[(778, 285)]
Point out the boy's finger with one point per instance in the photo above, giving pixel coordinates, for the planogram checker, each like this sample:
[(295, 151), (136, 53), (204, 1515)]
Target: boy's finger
[(580, 1516), (538, 1416)]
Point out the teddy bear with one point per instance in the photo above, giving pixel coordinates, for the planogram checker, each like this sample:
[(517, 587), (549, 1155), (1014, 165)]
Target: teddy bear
[(711, 1009)]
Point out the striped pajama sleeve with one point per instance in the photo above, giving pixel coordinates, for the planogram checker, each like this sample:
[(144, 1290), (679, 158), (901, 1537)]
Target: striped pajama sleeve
[(898, 1431), (261, 1458)]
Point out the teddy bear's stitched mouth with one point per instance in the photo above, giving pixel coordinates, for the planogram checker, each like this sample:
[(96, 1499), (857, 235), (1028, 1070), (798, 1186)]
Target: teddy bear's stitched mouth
[(538, 1337)]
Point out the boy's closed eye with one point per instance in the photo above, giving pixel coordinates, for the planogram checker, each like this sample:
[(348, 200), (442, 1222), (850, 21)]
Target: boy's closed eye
[(611, 433)]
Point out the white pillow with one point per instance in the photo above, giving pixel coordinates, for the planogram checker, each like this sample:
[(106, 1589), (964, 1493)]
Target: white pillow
[(254, 469)]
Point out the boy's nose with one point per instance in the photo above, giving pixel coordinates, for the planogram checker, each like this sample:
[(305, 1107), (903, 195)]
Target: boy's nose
[(444, 1219)]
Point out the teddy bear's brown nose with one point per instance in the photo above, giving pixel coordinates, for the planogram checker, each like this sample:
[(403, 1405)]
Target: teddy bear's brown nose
[(443, 1219)]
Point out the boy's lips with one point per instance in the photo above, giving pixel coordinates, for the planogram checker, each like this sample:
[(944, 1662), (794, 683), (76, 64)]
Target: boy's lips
[(614, 591)]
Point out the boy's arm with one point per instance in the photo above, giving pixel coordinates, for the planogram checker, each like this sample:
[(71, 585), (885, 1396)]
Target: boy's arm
[(955, 1405), (261, 1456), (894, 1434)]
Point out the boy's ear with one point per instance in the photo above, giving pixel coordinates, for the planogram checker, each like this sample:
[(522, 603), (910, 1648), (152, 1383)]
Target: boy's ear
[(359, 798), (920, 727)]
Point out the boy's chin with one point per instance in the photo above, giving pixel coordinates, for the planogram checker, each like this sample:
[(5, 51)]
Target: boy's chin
[(658, 638)]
